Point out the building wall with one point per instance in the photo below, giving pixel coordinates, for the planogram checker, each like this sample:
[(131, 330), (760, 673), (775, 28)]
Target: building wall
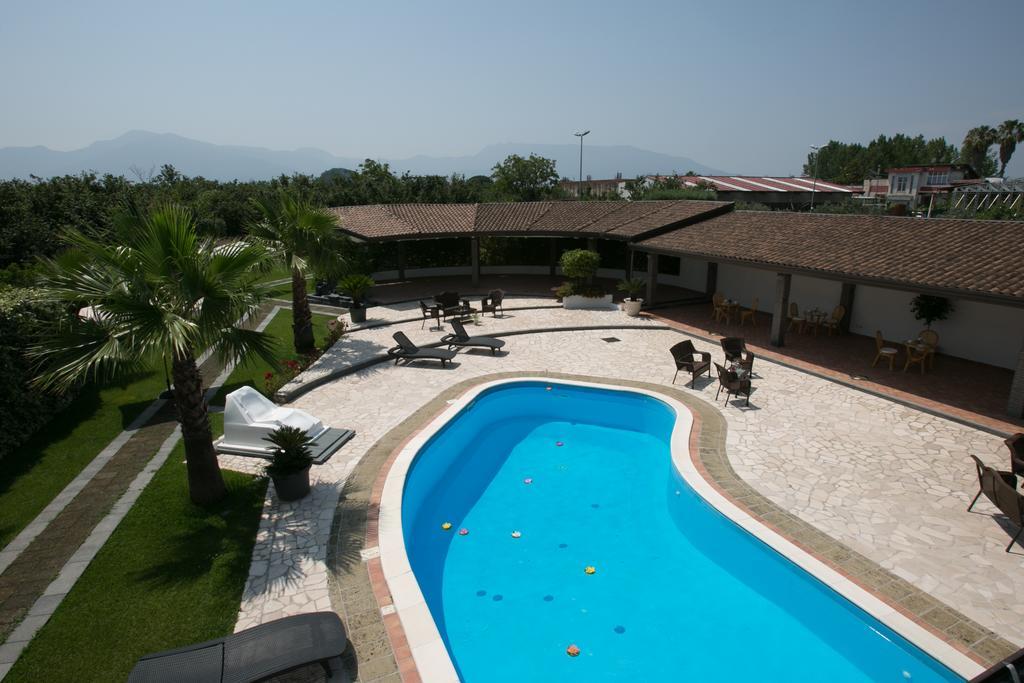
[(983, 332)]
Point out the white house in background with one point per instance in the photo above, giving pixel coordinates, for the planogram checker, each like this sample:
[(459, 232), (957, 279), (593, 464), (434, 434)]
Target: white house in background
[(914, 185)]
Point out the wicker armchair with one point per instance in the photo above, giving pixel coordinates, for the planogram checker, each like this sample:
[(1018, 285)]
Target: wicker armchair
[(1016, 445), (732, 383), (450, 303), (735, 349), (1000, 489), (688, 358), (492, 303)]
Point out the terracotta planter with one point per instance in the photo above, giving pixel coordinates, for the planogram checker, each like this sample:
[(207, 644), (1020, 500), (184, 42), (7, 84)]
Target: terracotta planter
[(292, 486)]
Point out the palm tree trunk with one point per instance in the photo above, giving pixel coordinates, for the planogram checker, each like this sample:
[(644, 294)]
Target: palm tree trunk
[(205, 484), (302, 319)]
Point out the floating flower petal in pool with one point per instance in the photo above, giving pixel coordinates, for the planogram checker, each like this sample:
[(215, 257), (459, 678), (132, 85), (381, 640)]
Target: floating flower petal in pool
[(528, 480), (547, 388), (447, 526), (589, 570), (463, 532), (572, 651), (516, 534), (559, 443)]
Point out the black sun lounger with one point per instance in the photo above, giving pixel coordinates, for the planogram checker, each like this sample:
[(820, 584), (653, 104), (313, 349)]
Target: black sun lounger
[(462, 338), (408, 351), (252, 655)]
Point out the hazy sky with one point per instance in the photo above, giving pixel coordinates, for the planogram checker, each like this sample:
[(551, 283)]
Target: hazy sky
[(744, 85)]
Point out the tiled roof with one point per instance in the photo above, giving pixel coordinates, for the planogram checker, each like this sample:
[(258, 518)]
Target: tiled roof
[(611, 220), (967, 256)]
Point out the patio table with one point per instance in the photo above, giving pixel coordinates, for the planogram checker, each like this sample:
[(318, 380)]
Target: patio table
[(815, 317)]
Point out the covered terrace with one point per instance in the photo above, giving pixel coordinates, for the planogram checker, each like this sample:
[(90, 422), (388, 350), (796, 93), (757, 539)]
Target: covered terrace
[(873, 266)]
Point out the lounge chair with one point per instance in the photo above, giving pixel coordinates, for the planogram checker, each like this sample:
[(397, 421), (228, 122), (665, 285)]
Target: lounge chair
[(1000, 489), (409, 352), (733, 385), (255, 654), (461, 338), (688, 358), (249, 417)]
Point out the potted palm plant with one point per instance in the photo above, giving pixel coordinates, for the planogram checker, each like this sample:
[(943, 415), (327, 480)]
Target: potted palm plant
[(632, 303), (356, 286), (290, 463)]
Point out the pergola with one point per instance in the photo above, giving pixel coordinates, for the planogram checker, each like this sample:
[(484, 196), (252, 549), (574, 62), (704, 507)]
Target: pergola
[(970, 260)]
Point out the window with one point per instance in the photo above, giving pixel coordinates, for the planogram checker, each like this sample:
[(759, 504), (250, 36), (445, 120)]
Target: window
[(899, 184), (938, 177)]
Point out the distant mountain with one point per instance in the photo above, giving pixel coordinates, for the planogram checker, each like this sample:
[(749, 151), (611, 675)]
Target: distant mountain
[(143, 152)]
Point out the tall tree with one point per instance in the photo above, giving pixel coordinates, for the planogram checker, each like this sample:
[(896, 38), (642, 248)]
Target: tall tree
[(305, 239), (155, 291), (975, 149), (851, 163), (1008, 135), (525, 179)]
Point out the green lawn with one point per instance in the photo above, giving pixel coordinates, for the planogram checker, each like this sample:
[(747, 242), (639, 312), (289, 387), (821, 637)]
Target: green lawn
[(281, 329), (171, 574), (36, 472)]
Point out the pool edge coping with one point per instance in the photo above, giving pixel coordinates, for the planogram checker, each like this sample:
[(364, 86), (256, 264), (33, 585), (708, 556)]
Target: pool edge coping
[(416, 630)]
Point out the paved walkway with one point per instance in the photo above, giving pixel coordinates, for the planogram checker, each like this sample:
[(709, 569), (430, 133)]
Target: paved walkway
[(884, 479)]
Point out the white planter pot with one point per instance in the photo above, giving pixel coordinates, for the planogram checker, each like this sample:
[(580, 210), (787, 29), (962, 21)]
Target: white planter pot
[(632, 307), (601, 303)]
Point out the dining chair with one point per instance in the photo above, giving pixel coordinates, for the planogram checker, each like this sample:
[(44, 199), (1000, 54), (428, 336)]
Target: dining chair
[(917, 354), (795, 319), (838, 313), (750, 314), (884, 351)]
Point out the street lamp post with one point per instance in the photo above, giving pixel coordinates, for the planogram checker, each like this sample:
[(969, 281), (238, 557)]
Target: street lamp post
[(814, 181), (579, 186)]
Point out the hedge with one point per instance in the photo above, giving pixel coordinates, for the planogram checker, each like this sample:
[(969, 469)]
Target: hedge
[(23, 408)]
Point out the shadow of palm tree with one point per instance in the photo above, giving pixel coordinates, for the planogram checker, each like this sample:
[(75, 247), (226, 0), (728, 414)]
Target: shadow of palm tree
[(214, 535)]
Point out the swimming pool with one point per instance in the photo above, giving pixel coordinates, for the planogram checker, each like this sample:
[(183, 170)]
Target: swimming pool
[(550, 479)]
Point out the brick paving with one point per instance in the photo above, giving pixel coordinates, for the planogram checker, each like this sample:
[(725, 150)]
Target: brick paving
[(38, 565)]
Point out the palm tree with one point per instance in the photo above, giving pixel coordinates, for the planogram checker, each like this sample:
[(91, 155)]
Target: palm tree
[(305, 238), (1008, 135), (974, 150), (156, 290)]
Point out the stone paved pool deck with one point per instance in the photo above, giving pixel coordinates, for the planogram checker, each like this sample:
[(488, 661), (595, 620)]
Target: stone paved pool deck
[(875, 488)]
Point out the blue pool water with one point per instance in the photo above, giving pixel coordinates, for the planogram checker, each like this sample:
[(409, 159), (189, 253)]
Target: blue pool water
[(679, 592)]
